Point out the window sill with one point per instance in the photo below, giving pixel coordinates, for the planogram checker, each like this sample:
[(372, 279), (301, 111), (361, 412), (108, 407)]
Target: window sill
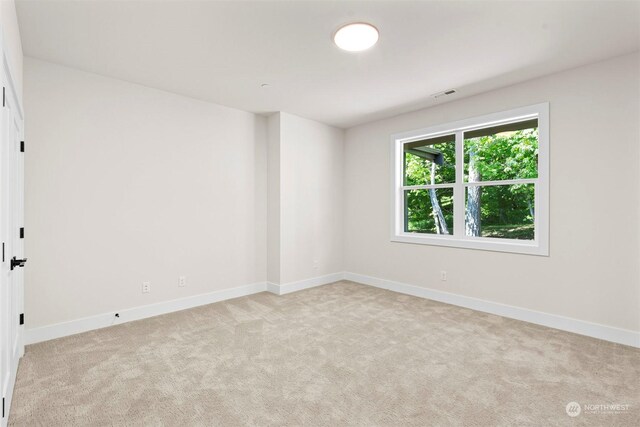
[(486, 244)]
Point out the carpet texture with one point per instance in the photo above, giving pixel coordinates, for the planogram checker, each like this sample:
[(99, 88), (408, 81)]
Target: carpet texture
[(340, 354)]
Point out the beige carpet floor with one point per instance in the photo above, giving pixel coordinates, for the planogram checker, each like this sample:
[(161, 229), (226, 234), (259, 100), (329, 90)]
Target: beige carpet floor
[(341, 354)]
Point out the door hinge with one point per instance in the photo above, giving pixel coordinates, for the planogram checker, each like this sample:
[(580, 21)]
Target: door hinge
[(3, 97), (3, 407), (22, 318), (22, 146), (2, 251), (22, 232)]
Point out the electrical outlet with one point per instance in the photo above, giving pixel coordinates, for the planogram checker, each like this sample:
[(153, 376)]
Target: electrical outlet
[(182, 281), (315, 264), (146, 287), (443, 275)]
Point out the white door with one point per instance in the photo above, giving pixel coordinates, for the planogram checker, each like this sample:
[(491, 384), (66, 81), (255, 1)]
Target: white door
[(12, 241)]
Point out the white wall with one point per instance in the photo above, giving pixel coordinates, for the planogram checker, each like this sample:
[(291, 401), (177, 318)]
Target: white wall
[(592, 273), (125, 184), (273, 199), (311, 182), (11, 41), (306, 200)]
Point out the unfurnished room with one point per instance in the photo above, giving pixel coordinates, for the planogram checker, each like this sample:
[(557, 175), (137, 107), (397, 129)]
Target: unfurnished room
[(320, 213)]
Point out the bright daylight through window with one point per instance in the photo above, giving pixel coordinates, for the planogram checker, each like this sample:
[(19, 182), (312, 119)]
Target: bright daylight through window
[(480, 183)]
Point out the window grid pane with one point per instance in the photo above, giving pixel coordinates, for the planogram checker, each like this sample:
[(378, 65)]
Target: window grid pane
[(429, 161), (429, 211), (500, 211), (505, 152)]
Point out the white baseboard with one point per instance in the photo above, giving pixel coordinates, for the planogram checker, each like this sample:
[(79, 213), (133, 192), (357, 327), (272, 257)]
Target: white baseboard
[(273, 288), (304, 284), (595, 330), (104, 320)]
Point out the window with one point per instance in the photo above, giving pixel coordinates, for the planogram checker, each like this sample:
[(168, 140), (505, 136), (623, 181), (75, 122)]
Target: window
[(480, 183)]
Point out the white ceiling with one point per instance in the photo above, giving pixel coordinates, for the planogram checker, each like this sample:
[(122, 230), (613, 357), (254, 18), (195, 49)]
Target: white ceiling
[(222, 51)]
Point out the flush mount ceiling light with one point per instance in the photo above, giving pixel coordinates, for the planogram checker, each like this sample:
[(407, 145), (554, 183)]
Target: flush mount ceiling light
[(356, 36)]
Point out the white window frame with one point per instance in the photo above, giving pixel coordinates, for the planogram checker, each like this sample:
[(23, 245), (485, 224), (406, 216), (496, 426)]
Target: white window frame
[(538, 246)]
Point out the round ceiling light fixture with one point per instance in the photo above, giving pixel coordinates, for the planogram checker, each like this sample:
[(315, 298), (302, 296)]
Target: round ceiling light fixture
[(356, 36)]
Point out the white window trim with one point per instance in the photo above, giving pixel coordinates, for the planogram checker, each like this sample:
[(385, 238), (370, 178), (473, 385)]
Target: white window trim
[(538, 246)]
